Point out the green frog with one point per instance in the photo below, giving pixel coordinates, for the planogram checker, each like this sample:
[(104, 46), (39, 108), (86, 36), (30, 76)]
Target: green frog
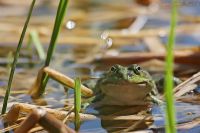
[(126, 86)]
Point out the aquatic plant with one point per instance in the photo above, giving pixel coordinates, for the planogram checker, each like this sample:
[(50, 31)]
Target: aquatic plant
[(77, 103), (34, 39), (57, 26), (5, 101), (10, 58), (170, 109)]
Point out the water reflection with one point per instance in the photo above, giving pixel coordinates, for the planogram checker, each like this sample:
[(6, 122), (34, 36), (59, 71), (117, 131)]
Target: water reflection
[(106, 114)]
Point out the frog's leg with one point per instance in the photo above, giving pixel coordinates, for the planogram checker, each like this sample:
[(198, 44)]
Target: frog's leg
[(87, 101), (155, 99)]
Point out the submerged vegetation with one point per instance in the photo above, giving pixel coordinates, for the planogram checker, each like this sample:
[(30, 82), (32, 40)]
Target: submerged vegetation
[(126, 97)]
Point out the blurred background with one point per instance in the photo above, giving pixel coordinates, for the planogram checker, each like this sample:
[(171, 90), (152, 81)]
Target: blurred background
[(101, 27)]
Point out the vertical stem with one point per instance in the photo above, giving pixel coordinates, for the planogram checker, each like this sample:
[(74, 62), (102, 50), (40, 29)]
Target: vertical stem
[(58, 22), (15, 59), (36, 42), (77, 103), (170, 109)]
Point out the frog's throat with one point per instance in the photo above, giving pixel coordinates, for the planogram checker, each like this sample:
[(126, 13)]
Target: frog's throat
[(126, 92)]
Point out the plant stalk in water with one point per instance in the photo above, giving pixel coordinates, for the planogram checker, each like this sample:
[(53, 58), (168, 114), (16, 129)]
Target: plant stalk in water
[(16, 58), (77, 103), (170, 109), (58, 23), (35, 40)]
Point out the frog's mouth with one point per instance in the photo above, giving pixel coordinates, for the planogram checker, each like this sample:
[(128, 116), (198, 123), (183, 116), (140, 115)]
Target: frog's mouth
[(142, 84), (126, 83)]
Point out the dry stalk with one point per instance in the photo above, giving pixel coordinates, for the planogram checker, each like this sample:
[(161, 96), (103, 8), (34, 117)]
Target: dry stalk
[(186, 57), (34, 91), (9, 128), (67, 81), (187, 86), (154, 45), (18, 108), (151, 32)]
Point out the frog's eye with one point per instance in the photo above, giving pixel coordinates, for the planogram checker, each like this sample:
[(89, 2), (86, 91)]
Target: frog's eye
[(137, 69), (113, 69)]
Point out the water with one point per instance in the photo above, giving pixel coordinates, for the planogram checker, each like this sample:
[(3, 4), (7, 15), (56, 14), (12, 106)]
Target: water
[(104, 35), (70, 25), (109, 42)]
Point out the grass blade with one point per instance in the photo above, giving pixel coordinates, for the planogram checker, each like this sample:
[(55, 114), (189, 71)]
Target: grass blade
[(34, 39), (10, 58), (77, 103), (57, 26), (58, 22), (5, 101), (170, 109)]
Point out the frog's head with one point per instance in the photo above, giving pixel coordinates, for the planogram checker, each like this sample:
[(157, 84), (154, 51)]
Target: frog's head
[(131, 74)]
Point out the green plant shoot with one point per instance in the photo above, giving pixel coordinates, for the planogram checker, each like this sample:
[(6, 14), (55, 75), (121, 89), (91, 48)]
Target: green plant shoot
[(77, 103), (34, 39), (5, 101), (170, 109), (58, 23)]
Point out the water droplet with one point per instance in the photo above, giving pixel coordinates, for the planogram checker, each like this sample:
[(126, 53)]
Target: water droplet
[(70, 25), (109, 42), (104, 35)]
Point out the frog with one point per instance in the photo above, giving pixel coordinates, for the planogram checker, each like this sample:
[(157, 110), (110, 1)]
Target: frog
[(126, 86)]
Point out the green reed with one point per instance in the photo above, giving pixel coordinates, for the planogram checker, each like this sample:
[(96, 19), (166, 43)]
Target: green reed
[(35, 40), (5, 101), (77, 103), (10, 58), (57, 26), (170, 107)]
